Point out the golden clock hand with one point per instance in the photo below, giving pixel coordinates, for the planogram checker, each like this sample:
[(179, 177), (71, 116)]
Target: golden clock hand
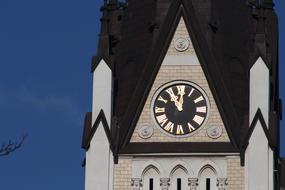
[(179, 106), (177, 103), (181, 103), (181, 92), (174, 99)]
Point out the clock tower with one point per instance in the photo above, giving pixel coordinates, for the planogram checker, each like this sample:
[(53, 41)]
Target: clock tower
[(185, 96)]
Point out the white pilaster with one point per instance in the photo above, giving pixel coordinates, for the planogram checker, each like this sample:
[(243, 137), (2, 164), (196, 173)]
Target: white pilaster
[(258, 154), (99, 158)]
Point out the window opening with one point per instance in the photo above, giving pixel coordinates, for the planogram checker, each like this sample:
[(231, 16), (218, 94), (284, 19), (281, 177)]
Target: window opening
[(178, 183), (208, 184), (151, 184)]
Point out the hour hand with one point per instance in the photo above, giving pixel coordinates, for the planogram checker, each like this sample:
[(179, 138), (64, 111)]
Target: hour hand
[(174, 99)]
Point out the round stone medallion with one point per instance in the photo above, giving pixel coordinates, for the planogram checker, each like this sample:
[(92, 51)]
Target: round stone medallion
[(181, 44), (145, 131), (214, 132)]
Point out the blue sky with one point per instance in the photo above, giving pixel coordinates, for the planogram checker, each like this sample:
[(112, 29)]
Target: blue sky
[(45, 88)]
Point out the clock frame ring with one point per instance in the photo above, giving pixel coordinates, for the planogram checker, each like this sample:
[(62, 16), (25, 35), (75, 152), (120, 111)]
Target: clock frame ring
[(176, 83)]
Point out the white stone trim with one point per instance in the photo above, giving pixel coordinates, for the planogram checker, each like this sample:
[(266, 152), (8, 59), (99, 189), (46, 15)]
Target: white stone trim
[(136, 183), (99, 170), (141, 166), (210, 164), (193, 183), (258, 166), (222, 183), (164, 183), (183, 165)]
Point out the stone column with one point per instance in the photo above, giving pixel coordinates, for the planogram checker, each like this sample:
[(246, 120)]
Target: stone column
[(222, 183), (164, 183), (136, 183), (193, 183)]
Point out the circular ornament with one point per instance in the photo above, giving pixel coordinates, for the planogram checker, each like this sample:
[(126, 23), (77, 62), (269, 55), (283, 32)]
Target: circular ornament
[(145, 131), (180, 108), (181, 44), (214, 132)]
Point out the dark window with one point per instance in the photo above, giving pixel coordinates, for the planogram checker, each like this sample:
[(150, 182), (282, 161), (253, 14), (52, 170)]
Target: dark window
[(208, 184), (178, 183), (150, 184)]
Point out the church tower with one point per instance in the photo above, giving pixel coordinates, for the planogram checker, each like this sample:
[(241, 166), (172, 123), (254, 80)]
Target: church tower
[(185, 97)]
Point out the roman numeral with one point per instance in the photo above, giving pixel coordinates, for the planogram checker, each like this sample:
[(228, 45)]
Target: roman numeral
[(201, 109), (198, 119), (170, 92), (181, 89), (159, 110), (179, 130), (161, 99), (191, 92), (191, 128), (199, 99), (169, 127), (162, 119)]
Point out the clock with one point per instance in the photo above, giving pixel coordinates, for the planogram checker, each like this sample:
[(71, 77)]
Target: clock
[(180, 108)]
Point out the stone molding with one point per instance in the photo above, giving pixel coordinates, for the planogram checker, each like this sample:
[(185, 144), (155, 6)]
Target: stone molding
[(136, 183), (222, 183), (164, 183), (193, 183)]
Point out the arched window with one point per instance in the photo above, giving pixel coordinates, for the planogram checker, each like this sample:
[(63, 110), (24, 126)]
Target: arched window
[(150, 178), (207, 178), (179, 178)]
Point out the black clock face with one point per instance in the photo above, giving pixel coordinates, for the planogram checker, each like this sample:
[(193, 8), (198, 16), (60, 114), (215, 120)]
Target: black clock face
[(180, 109)]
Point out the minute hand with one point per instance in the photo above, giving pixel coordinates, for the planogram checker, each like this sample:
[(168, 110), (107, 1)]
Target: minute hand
[(181, 92), (181, 100)]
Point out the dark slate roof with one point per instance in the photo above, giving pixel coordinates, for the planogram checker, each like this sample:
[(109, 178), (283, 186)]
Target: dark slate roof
[(178, 147), (228, 37)]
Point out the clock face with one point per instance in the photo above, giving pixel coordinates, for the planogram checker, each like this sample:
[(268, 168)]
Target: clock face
[(180, 108)]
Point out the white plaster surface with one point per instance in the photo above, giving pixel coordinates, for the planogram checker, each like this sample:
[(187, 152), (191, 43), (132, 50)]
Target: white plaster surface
[(259, 89), (99, 160), (258, 155)]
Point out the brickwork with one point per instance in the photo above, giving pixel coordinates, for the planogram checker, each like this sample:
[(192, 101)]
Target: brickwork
[(235, 174), (193, 73), (123, 174)]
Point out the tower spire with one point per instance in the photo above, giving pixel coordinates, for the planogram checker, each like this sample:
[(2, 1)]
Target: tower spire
[(258, 14), (103, 46)]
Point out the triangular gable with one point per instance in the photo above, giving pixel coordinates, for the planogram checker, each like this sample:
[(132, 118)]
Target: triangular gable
[(178, 9), (182, 64)]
